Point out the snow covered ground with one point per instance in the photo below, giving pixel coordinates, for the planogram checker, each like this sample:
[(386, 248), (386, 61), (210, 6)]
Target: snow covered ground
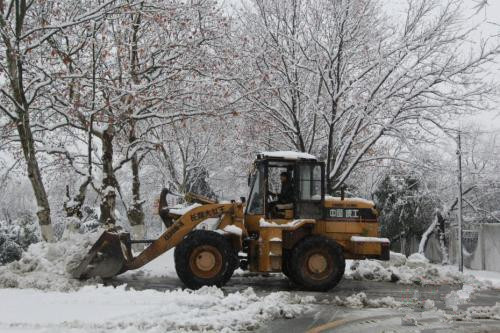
[(110, 309), (38, 295), (485, 276), (416, 269)]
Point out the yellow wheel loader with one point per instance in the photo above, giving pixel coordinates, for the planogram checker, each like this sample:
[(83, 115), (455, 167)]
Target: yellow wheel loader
[(307, 239)]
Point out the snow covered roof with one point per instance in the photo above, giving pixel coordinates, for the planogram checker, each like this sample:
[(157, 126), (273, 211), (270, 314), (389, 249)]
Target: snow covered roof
[(287, 155)]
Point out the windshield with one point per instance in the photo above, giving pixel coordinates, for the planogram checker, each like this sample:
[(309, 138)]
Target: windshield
[(256, 199)]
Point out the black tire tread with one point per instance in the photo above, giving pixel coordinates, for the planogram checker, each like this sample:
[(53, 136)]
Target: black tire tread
[(308, 243), (197, 238)]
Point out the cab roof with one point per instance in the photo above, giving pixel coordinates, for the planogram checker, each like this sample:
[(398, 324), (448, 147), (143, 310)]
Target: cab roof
[(286, 155)]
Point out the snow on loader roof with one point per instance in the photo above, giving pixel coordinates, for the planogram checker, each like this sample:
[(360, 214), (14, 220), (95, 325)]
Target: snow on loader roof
[(287, 155)]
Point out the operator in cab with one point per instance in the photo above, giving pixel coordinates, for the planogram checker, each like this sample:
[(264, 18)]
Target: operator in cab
[(285, 196)]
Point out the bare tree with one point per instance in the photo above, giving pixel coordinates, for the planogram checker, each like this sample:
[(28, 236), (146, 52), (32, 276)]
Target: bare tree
[(25, 29), (341, 72), (143, 66)]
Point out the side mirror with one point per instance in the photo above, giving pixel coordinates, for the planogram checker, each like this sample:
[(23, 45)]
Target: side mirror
[(243, 199)]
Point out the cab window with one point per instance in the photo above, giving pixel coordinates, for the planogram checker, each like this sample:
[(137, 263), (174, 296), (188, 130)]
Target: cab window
[(310, 182), (256, 199)]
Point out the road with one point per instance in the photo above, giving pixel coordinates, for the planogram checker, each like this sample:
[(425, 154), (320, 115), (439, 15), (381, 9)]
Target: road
[(327, 316)]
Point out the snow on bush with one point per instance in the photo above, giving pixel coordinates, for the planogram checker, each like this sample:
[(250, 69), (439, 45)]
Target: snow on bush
[(47, 265), (24, 230), (415, 269), (99, 308), (15, 236), (9, 251)]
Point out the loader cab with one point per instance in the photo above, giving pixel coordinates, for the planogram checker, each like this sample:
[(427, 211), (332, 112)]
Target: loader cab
[(305, 176)]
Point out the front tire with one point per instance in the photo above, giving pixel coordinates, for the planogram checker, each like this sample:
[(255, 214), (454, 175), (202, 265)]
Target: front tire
[(317, 263), (204, 258)]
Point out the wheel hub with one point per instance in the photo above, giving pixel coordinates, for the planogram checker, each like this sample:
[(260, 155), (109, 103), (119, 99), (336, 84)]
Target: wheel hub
[(317, 263), (205, 261)]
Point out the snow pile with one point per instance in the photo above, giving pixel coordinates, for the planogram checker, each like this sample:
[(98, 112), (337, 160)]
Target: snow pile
[(409, 320), (458, 297), (428, 305), (360, 300), (98, 308), (417, 260), (369, 270), (479, 312), (46, 266), (395, 259), (415, 269)]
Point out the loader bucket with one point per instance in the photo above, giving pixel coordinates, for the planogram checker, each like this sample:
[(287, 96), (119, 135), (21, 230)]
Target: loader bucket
[(106, 258)]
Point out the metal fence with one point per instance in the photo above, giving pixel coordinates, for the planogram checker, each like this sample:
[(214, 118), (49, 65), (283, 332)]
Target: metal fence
[(481, 247)]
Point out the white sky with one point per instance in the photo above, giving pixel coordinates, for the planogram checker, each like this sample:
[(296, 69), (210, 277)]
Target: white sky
[(489, 18), (487, 21)]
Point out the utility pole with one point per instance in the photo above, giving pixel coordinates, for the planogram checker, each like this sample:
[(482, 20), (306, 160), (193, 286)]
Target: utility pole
[(460, 246)]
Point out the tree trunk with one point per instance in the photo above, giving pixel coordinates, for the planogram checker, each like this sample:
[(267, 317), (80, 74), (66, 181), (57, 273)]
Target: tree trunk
[(15, 71), (35, 177), (135, 212), (439, 225), (73, 206), (109, 183), (329, 157)]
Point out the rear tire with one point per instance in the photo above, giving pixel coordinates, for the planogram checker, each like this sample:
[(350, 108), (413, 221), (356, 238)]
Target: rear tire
[(204, 258), (286, 266), (317, 263)]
